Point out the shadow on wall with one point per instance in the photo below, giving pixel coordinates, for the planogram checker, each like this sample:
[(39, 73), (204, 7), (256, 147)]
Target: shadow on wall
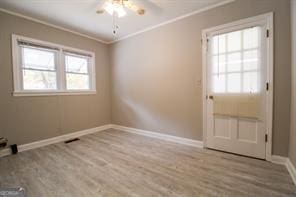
[(140, 117)]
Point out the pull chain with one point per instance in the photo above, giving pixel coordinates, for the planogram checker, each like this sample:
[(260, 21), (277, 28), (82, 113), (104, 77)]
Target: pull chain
[(115, 26)]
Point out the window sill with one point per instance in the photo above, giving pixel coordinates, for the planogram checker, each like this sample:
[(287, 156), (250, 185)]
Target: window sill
[(55, 93)]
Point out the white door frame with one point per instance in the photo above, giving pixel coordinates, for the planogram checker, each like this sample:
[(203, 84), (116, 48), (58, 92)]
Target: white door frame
[(268, 19)]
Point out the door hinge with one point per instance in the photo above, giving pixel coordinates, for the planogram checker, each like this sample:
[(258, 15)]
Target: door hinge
[(266, 137), (202, 40), (267, 86), (207, 44), (267, 33)]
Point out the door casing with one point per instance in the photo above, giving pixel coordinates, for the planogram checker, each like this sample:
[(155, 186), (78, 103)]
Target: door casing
[(268, 20)]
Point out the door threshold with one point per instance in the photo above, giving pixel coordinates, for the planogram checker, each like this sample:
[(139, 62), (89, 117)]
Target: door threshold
[(222, 151)]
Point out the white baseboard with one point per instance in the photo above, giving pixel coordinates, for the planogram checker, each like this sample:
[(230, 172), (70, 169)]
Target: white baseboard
[(4, 152), (61, 138), (292, 170), (278, 159), (161, 136), (286, 162), (37, 144)]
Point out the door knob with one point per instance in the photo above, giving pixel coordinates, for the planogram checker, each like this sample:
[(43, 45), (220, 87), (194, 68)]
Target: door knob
[(211, 97)]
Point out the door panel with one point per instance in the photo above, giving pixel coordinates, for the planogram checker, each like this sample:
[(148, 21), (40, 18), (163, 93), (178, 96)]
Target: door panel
[(222, 127), (247, 130)]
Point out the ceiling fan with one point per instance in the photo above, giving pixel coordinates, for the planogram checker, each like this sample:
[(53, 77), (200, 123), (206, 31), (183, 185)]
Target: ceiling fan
[(117, 7)]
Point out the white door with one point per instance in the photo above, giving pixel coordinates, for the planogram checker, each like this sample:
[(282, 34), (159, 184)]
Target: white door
[(236, 90)]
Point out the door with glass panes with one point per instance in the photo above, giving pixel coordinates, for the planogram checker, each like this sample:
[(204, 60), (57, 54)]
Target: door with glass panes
[(236, 77)]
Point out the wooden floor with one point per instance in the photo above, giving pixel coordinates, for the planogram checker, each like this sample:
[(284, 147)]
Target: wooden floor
[(115, 163)]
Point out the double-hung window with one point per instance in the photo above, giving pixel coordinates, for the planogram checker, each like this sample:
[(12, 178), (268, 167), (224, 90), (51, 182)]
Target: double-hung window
[(38, 67), (42, 68), (77, 71)]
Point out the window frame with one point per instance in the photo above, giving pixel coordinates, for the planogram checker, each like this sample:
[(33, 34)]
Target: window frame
[(60, 68), (89, 69)]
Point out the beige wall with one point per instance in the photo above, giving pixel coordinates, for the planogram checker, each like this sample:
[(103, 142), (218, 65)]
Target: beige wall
[(292, 148), (156, 76), (27, 119)]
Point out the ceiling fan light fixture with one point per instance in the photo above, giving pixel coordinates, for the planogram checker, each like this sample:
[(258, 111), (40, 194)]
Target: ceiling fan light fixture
[(114, 7)]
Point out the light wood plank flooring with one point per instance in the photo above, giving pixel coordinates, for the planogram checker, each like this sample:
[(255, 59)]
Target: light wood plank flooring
[(116, 163)]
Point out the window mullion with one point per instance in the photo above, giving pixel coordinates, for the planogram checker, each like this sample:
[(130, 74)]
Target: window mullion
[(90, 74), (226, 63), (61, 71), (242, 62), (41, 70), (77, 73), (20, 66)]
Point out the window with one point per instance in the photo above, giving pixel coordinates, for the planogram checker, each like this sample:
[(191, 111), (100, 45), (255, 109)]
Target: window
[(236, 61), (77, 72), (42, 68), (38, 68)]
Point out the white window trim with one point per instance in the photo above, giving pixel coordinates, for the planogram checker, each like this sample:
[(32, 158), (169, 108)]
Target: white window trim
[(17, 79)]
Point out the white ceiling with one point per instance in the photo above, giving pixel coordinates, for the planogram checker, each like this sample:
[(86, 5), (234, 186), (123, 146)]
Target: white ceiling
[(80, 15)]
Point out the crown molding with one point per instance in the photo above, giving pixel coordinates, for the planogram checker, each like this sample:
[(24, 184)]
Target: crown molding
[(51, 25), (123, 37), (173, 20)]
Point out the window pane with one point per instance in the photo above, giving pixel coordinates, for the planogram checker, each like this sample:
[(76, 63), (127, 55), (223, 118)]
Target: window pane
[(219, 83), (234, 62), (251, 38), (251, 82), (219, 64), (251, 60), (233, 82), (39, 80), (38, 59), (234, 41), (76, 64), (219, 44), (77, 81)]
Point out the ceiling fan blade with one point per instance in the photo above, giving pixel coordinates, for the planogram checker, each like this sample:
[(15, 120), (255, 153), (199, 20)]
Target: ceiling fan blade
[(100, 11), (100, 7), (152, 6), (133, 7)]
